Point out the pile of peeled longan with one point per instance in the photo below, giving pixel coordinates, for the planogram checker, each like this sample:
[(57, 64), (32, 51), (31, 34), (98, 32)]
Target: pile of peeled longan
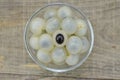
[(58, 37)]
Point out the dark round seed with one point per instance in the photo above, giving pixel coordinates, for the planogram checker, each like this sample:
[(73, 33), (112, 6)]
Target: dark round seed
[(59, 38)]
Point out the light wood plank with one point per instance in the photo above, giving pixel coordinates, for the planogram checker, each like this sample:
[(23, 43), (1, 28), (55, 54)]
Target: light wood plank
[(36, 77), (104, 62)]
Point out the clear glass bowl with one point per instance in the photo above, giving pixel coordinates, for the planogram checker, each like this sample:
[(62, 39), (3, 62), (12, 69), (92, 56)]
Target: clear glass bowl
[(51, 67)]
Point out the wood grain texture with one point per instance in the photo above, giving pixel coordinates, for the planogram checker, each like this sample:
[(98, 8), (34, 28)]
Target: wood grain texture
[(36, 77), (104, 62)]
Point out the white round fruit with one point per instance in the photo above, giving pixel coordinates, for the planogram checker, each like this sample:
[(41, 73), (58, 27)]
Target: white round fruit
[(74, 45), (85, 44), (34, 42), (69, 25), (82, 27), (50, 13), (72, 60), (43, 56), (60, 38), (45, 42), (52, 25), (58, 55), (64, 12), (37, 25)]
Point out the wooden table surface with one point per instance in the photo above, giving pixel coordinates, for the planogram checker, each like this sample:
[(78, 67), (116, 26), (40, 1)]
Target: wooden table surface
[(103, 63)]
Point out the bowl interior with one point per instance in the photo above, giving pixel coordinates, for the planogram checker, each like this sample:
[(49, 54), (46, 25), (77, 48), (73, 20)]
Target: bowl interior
[(58, 68)]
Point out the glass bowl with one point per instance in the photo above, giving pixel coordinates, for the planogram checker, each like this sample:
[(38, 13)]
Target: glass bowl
[(51, 67)]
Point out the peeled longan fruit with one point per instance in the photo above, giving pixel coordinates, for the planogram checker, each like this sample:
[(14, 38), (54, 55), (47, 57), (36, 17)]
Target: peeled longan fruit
[(69, 25), (74, 45), (37, 25), (85, 44), (58, 55), (52, 25), (50, 13), (64, 12), (82, 27), (34, 42), (43, 56), (45, 42), (72, 59), (59, 38)]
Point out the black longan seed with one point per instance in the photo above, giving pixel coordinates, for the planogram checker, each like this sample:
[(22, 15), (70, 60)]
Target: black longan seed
[(59, 38)]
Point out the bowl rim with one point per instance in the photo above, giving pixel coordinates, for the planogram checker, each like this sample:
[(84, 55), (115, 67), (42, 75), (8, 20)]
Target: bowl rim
[(72, 67)]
